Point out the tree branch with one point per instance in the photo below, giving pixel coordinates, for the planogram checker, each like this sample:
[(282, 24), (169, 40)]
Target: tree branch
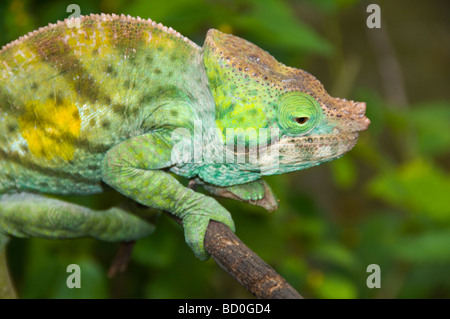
[(243, 264), (234, 257), (246, 266)]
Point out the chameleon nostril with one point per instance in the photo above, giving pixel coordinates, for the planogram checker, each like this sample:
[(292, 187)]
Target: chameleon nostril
[(361, 107)]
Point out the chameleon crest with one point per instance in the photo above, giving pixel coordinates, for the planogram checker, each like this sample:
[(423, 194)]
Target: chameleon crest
[(81, 107)]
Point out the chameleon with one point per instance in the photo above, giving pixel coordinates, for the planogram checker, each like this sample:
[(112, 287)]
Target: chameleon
[(112, 101)]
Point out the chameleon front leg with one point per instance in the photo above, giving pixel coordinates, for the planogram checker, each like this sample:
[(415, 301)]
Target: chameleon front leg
[(256, 193), (134, 168)]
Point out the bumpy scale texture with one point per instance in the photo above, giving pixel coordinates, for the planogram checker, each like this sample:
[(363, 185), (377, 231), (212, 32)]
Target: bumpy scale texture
[(122, 101)]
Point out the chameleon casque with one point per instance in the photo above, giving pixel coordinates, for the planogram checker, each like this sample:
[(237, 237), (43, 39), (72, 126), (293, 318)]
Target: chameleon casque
[(108, 102)]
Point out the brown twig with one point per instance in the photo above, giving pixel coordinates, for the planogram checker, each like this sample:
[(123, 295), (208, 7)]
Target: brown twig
[(234, 257), (244, 265), (122, 258)]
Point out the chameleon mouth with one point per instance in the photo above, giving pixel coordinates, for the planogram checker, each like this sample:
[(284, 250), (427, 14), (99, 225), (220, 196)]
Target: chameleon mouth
[(319, 140), (302, 150)]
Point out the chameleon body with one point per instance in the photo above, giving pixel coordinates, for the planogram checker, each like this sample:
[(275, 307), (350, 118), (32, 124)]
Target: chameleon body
[(127, 102)]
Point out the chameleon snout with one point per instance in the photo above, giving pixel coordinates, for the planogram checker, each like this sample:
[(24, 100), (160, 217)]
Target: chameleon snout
[(360, 110), (350, 114)]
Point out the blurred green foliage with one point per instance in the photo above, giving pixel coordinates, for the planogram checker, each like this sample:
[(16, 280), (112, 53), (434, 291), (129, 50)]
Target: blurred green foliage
[(386, 202)]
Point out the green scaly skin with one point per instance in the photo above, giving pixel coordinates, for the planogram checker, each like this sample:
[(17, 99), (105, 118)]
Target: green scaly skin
[(110, 102)]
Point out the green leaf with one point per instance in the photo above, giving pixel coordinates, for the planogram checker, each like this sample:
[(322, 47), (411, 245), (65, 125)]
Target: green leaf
[(344, 172), (185, 16), (432, 123), (418, 186), (336, 287), (337, 255), (93, 281), (273, 22), (159, 249), (430, 247), (331, 5), (376, 109)]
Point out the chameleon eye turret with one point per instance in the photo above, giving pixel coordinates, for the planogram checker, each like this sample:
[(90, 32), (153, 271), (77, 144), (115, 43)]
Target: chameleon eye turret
[(298, 113)]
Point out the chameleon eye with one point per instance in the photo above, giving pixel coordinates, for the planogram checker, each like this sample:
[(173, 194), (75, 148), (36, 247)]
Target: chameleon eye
[(298, 113), (301, 120)]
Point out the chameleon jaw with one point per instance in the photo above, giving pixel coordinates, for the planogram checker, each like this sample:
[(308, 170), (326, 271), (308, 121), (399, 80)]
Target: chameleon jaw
[(302, 150)]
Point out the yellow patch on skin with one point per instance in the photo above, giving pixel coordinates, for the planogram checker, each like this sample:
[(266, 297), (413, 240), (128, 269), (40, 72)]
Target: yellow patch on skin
[(51, 128)]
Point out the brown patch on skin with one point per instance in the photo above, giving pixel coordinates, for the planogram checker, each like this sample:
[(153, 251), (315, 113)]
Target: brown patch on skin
[(7, 102), (52, 49), (123, 32), (110, 70), (118, 108), (105, 124), (11, 128)]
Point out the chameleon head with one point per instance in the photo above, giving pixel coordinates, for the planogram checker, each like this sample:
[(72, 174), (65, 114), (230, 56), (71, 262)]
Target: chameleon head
[(252, 89)]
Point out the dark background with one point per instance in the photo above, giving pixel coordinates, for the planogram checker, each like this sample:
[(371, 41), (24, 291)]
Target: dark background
[(386, 202)]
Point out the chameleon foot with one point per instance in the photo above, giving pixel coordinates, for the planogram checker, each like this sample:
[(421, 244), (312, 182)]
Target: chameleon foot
[(256, 193)]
